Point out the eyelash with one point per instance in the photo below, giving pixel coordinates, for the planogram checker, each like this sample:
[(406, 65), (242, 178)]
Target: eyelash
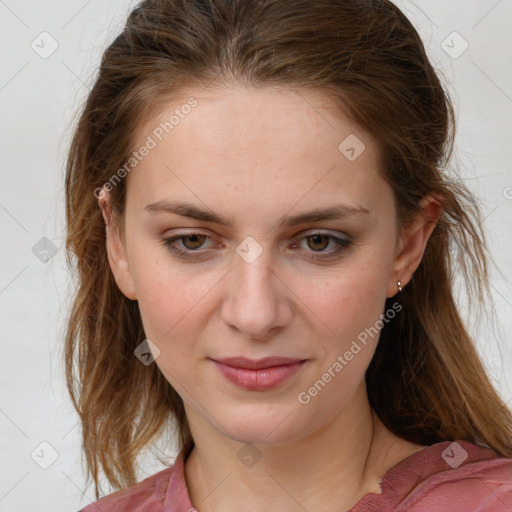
[(342, 244)]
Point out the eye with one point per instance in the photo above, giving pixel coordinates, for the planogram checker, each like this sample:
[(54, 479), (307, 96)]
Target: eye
[(191, 243), (318, 242), (187, 246)]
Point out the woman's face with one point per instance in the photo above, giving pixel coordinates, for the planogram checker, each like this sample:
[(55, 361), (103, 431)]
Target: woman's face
[(293, 257)]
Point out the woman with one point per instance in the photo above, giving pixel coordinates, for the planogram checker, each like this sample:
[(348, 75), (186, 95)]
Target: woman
[(267, 237)]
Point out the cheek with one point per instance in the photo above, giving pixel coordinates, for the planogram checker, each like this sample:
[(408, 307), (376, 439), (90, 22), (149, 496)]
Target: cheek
[(347, 303), (169, 298), (172, 307), (351, 307)]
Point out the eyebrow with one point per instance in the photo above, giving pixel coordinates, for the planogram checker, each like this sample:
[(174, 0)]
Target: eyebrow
[(333, 212)]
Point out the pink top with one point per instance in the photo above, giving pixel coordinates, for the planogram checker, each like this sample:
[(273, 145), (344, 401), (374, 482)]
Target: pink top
[(458, 476)]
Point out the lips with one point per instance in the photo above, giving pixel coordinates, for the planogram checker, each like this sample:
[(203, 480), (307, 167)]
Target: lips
[(257, 364), (258, 374)]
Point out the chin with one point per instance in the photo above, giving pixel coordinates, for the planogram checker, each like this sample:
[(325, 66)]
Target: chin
[(260, 426)]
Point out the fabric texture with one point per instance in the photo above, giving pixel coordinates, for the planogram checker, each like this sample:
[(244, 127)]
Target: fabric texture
[(455, 477)]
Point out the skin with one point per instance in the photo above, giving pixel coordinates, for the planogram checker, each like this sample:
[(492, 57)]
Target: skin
[(255, 156)]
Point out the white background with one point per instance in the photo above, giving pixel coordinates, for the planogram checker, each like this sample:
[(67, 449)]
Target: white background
[(39, 99)]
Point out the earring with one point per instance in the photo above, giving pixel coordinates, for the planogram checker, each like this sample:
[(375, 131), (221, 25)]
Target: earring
[(399, 286)]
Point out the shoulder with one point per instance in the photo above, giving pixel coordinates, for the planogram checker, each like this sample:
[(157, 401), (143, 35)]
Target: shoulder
[(454, 476), (480, 485), (148, 495)]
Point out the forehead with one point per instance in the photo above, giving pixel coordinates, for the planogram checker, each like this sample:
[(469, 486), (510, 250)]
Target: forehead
[(246, 144)]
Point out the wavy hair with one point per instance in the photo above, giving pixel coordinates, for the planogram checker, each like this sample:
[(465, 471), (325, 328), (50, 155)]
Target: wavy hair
[(426, 380)]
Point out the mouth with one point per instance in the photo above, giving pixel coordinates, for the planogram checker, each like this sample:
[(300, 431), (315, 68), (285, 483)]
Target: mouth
[(258, 374)]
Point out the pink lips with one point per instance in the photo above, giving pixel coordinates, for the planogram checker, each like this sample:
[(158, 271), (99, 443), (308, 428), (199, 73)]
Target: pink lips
[(258, 374)]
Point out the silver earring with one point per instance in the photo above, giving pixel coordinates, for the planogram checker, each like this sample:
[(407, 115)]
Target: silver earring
[(399, 286)]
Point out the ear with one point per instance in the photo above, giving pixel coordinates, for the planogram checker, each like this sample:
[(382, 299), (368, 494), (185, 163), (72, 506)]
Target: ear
[(116, 250), (412, 242)]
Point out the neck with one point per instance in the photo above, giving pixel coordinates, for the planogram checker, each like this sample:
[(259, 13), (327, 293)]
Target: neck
[(330, 469)]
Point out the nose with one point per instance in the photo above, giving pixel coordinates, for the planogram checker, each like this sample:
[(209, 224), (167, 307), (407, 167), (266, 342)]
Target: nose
[(257, 300)]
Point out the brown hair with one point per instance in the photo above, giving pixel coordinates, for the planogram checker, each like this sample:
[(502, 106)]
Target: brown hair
[(426, 380)]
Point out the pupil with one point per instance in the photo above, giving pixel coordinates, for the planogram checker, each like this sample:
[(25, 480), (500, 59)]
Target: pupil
[(317, 239), (194, 239)]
